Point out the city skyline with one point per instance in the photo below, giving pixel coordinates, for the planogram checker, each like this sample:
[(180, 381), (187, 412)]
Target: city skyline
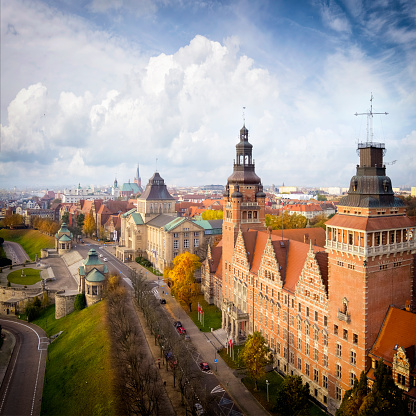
[(89, 89)]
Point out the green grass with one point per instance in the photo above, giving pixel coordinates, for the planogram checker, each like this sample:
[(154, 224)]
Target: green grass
[(31, 240), (78, 379), (236, 363), (32, 276), (275, 380), (212, 314)]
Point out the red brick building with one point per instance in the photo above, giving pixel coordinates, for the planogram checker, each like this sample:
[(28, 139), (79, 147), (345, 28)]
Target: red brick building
[(319, 301)]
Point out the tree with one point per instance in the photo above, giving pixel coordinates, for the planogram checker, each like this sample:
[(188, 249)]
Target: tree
[(289, 221), (353, 398), (322, 197), (255, 355), (383, 399), (212, 214), (319, 221), (292, 397), (89, 224), (182, 277), (80, 302), (13, 220), (80, 220), (56, 201), (65, 217)]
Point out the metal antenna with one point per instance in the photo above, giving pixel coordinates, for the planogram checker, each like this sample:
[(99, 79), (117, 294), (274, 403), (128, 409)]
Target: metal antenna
[(244, 118), (156, 164), (369, 120)]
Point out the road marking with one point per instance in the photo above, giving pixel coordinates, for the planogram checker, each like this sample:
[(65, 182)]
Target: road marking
[(217, 389), (36, 384)]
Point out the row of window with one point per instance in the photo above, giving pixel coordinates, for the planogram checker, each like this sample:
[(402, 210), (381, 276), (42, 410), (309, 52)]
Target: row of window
[(185, 243), (176, 235), (345, 334)]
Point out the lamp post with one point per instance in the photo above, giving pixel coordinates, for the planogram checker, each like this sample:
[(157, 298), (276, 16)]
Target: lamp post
[(267, 386)]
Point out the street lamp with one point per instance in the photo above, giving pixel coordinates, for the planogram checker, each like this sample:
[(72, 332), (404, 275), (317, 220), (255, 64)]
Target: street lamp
[(267, 386)]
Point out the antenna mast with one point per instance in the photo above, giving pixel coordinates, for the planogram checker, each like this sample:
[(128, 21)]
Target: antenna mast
[(244, 117), (370, 120)]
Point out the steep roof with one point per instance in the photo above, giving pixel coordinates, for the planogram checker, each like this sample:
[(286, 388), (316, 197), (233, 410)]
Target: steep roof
[(304, 235), (130, 187), (137, 218), (64, 238), (396, 330), (156, 190), (162, 219), (92, 258)]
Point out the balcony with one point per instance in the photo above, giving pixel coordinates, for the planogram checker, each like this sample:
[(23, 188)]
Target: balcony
[(344, 316), (372, 251)]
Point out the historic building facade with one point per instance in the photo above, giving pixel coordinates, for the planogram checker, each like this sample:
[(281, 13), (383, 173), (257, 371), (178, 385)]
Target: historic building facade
[(154, 231), (320, 308)]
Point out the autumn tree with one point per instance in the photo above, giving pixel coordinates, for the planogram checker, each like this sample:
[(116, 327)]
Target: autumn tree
[(212, 214), (289, 221), (319, 221), (255, 355), (13, 220), (182, 277), (292, 397), (89, 224), (384, 398)]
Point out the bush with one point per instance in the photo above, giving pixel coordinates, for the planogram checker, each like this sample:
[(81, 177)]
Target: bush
[(36, 302), (32, 312), (4, 261), (80, 302)]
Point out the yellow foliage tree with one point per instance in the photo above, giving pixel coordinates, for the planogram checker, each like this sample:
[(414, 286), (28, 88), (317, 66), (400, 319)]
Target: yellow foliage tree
[(255, 355), (89, 224), (289, 221), (212, 214), (182, 277)]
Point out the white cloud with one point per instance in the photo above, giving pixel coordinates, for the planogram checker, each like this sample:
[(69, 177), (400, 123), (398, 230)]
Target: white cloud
[(333, 17)]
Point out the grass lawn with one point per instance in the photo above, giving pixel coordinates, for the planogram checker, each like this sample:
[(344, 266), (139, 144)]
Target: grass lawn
[(31, 277), (31, 240), (78, 379), (228, 359), (212, 317), (275, 380)]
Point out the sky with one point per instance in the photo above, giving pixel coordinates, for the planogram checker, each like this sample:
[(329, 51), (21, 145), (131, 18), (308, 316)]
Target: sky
[(91, 88)]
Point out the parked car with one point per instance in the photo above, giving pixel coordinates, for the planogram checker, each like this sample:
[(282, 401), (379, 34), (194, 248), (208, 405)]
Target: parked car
[(101, 255), (181, 330), (198, 409), (163, 301), (105, 258), (176, 324), (204, 366)]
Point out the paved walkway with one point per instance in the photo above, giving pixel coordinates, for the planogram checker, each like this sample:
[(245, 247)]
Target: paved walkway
[(207, 344)]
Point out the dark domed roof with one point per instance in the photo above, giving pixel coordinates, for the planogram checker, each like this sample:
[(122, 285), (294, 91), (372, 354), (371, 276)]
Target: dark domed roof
[(244, 176), (236, 194)]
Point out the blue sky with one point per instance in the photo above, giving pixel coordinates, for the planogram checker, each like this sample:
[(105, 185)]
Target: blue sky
[(90, 88)]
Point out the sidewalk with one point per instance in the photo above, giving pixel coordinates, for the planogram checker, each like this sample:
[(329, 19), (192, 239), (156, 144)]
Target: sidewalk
[(207, 345)]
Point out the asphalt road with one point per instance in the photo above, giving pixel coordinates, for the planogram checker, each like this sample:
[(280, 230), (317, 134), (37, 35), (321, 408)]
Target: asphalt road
[(21, 391), (15, 252)]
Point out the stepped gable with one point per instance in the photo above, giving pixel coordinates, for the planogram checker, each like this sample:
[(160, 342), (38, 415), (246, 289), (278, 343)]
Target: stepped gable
[(156, 189), (322, 260)]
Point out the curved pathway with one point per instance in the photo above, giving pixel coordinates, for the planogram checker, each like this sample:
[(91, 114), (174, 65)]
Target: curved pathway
[(15, 252), (21, 390)]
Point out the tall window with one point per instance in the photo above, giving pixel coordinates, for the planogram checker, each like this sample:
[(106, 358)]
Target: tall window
[(315, 375), (176, 244), (300, 364), (307, 369), (353, 357), (352, 378), (325, 360), (325, 382), (325, 339), (196, 242), (307, 349), (316, 354), (300, 344), (338, 372), (186, 243), (338, 393), (338, 350)]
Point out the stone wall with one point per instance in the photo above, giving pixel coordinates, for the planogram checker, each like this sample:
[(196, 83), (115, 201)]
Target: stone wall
[(64, 302)]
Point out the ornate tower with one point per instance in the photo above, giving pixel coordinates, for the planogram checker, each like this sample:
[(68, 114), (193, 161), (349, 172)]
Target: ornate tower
[(244, 202), (369, 243)]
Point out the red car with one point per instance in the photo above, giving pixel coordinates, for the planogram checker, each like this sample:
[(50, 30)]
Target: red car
[(181, 330), (204, 366)]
